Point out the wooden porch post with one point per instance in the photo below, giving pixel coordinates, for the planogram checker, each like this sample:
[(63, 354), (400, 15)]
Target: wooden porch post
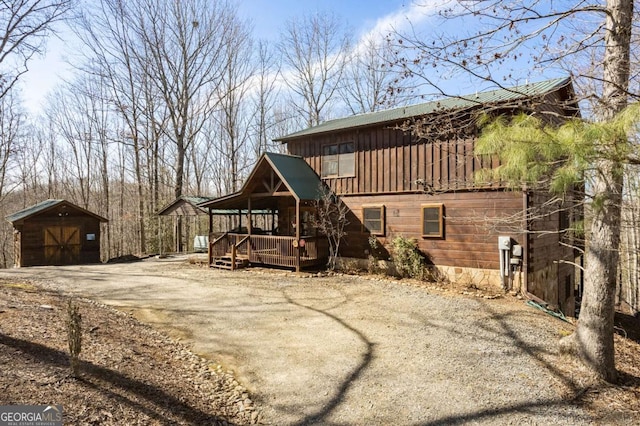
[(273, 221), (298, 226), (249, 226), (210, 221)]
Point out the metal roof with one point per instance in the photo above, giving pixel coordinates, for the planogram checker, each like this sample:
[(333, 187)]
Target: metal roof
[(194, 201), (47, 205), (446, 104), (295, 173)]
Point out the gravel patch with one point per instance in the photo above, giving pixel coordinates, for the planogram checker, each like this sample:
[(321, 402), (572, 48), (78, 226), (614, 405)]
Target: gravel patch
[(347, 350)]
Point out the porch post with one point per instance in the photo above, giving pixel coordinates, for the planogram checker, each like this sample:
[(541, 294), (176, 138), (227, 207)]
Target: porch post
[(210, 221), (249, 226), (298, 226), (239, 220)]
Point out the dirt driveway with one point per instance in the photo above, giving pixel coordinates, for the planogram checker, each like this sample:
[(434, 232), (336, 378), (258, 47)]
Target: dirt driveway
[(346, 350)]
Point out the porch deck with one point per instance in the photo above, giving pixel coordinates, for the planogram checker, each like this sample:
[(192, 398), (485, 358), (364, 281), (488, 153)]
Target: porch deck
[(232, 250)]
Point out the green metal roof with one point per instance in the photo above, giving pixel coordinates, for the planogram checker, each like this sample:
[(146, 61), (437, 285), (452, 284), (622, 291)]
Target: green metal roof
[(194, 201), (446, 104), (44, 206), (29, 211), (297, 174)]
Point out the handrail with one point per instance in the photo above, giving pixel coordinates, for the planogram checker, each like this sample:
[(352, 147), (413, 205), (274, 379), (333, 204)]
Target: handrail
[(243, 240), (220, 237), (234, 250), (218, 241)]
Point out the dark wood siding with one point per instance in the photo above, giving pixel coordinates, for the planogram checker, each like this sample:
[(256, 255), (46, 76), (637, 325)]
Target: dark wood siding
[(389, 160), (33, 236), (551, 273), (472, 223)]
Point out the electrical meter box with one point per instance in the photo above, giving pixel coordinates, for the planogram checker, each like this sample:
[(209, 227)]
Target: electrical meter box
[(516, 250), (504, 243)]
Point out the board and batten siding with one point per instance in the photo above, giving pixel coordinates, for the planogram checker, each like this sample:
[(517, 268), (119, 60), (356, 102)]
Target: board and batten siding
[(389, 160)]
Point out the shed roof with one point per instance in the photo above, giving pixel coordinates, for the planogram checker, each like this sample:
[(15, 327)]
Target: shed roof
[(44, 206), (184, 199), (447, 104)]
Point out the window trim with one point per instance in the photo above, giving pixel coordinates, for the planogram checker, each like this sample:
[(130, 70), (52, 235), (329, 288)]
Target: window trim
[(383, 222), (440, 207), (337, 145)]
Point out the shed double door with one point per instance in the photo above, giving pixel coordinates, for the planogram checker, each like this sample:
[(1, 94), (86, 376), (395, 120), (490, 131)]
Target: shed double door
[(62, 245)]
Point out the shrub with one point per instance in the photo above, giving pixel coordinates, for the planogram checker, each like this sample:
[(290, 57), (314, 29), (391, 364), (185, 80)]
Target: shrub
[(74, 334), (408, 259)]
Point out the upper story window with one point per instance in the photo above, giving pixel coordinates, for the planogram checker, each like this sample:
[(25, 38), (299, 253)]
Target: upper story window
[(432, 223), (338, 160)]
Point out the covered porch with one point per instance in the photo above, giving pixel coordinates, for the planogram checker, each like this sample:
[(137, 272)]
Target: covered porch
[(286, 186)]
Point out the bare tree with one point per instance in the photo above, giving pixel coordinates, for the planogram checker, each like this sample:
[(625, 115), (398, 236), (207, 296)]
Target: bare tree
[(184, 50), (26, 25), (314, 49), (264, 98), (234, 116), (331, 221), (508, 30), (11, 139), (368, 76)]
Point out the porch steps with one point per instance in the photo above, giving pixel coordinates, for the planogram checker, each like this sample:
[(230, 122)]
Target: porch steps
[(225, 262)]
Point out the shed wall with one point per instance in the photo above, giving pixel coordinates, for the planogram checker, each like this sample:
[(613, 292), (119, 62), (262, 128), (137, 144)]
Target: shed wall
[(32, 241)]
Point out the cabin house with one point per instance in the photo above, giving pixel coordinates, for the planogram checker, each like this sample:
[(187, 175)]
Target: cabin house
[(56, 232), (396, 183)]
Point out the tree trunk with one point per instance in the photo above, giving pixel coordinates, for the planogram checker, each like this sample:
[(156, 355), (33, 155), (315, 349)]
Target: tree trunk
[(593, 338)]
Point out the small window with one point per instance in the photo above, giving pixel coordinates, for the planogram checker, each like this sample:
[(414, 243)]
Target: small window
[(338, 160), (373, 219), (432, 223)]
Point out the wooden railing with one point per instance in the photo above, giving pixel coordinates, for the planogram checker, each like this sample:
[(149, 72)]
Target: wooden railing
[(281, 251), (218, 247), (271, 249)]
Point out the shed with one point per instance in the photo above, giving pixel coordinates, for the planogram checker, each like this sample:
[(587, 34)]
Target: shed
[(56, 232)]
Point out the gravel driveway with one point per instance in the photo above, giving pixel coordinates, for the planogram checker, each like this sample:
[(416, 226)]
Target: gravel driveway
[(346, 350)]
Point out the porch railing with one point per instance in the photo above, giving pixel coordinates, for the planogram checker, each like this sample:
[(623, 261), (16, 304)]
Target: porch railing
[(271, 249)]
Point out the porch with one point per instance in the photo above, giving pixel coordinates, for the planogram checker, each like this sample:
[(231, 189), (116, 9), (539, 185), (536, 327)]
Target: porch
[(286, 186), (233, 251)]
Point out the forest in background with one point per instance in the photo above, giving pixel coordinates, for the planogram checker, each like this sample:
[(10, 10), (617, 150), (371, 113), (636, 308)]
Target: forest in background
[(172, 98)]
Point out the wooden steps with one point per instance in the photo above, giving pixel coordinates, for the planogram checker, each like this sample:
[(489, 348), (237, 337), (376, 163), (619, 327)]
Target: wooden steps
[(225, 262)]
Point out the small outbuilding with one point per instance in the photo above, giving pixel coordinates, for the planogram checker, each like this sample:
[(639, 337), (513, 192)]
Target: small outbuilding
[(56, 232)]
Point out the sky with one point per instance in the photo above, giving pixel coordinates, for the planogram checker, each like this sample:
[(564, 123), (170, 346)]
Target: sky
[(266, 16)]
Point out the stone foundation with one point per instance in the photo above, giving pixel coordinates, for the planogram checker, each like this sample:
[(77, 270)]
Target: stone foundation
[(482, 278)]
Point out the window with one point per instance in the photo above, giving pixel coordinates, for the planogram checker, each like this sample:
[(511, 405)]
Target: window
[(373, 219), (338, 160), (432, 224)]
